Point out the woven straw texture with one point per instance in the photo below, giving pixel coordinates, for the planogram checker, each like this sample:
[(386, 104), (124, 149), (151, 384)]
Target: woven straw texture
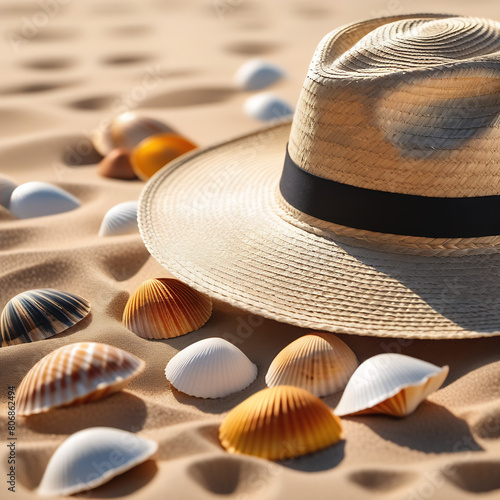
[(407, 106)]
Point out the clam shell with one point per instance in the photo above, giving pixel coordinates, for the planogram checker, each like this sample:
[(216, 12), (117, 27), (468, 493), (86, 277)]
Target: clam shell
[(36, 199), (320, 363), (210, 368), (74, 374), (155, 152), (92, 457), (393, 384), (39, 314), (163, 308), (116, 165), (257, 74), (266, 107), (126, 131), (6, 187), (278, 423), (120, 219)]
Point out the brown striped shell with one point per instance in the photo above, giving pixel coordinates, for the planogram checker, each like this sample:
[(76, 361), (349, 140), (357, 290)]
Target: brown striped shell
[(278, 423), (39, 314), (163, 308), (74, 374), (319, 362)]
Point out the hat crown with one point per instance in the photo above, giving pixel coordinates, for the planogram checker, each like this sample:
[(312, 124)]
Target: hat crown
[(407, 105)]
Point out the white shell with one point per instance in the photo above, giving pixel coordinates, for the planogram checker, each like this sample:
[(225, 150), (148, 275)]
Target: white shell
[(257, 74), (266, 107), (120, 219), (6, 187), (126, 131), (36, 199), (210, 368), (92, 457), (393, 384)]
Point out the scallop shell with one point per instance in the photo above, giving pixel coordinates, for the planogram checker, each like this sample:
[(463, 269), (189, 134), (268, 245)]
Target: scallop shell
[(39, 314), (74, 374), (163, 308), (126, 131), (278, 423), (257, 74), (116, 165), (320, 363), (120, 219), (155, 152), (92, 457), (6, 187), (210, 368), (393, 384), (266, 107), (36, 199)]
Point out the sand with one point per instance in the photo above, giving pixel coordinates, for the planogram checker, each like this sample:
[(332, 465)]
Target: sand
[(68, 65)]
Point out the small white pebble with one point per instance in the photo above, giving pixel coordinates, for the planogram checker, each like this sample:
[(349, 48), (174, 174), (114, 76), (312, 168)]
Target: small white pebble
[(257, 74), (266, 107)]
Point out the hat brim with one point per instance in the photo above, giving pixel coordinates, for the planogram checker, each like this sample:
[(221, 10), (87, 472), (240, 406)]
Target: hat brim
[(210, 219)]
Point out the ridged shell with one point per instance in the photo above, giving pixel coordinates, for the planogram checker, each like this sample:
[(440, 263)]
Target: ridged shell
[(39, 314), (278, 423), (266, 107), (126, 131), (393, 384), (163, 308), (116, 165), (75, 374), (92, 457), (210, 368), (320, 363), (36, 199), (120, 219), (256, 74), (6, 187), (155, 152)]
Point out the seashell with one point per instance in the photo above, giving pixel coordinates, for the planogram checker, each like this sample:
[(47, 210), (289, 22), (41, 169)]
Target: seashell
[(6, 187), (393, 384), (320, 363), (163, 308), (75, 374), (266, 107), (36, 199), (120, 219), (116, 165), (256, 74), (40, 314), (155, 152), (210, 368), (278, 423), (91, 457), (126, 131)]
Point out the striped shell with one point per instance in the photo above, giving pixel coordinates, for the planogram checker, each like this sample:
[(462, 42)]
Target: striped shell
[(39, 314), (92, 457), (266, 107), (210, 368), (163, 308), (320, 363), (6, 187), (74, 374), (120, 219), (393, 384), (256, 74), (279, 423), (126, 131), (37, 199)]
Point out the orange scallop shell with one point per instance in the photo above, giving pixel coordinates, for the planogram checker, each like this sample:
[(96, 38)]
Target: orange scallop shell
[(163, 308), (278, 423)]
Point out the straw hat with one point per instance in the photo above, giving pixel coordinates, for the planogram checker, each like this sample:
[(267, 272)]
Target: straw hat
[(376, 211)]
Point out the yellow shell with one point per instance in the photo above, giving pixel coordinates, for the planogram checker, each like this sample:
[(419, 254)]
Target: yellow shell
[(162, 308), (155, 152), (278, 423), (319, 362)]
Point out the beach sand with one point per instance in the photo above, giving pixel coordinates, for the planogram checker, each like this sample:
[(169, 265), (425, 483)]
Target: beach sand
[(67, 66)]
